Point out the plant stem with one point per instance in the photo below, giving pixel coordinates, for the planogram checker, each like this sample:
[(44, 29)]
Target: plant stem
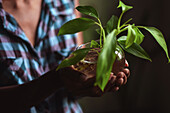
[(96, 51), (104, 36), (102, 30), (100, 37), (140, 26), (124, 25), (119, 21), (102, 33), (122, 30)]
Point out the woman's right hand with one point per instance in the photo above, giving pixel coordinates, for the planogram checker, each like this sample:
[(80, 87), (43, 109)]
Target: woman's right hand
[(80, 85)]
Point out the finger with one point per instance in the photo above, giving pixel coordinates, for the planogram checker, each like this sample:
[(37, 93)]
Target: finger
[(110, 83), (119, 81), (125, 80), (114, 89), (121, 75), (126, 71)]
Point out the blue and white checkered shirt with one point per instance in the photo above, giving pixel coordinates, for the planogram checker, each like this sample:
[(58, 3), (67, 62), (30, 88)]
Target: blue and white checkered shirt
[(23, 62)]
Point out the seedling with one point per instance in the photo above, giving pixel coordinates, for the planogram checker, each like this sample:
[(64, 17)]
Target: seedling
[(109, 40)]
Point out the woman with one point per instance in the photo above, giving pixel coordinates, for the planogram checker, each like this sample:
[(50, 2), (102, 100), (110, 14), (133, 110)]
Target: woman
[(30, 51)]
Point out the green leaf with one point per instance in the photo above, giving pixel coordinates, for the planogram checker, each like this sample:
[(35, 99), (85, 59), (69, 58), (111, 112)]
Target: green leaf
[(134, 49), (130, 37), (111, 24), (124, 7), (105, 60), (139, 35), (76, 25), (76, 56), (158, 37), (94, 44), (88, 10), (122, 38)]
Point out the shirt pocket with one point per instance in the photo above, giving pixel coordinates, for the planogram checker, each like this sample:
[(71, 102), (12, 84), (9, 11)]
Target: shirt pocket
[(12, 63), (11, 71)]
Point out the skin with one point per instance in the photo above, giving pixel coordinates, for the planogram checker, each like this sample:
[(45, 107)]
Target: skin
[(32, 93), (27, 21), (78, 15)]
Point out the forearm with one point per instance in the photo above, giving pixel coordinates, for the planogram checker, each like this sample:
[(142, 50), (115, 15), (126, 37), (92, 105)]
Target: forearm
[(19, 98)]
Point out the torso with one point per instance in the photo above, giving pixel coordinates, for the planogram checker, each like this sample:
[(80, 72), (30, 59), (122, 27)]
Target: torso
[(27, 16), (24, 63)]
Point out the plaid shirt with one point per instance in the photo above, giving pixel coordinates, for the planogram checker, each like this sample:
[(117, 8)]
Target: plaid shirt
[(22, 62)]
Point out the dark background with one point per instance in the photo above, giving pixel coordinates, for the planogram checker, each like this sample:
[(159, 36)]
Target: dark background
[(148, 88)]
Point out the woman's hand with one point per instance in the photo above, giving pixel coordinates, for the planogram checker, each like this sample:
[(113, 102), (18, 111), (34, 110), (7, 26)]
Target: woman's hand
[(81, 85)]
